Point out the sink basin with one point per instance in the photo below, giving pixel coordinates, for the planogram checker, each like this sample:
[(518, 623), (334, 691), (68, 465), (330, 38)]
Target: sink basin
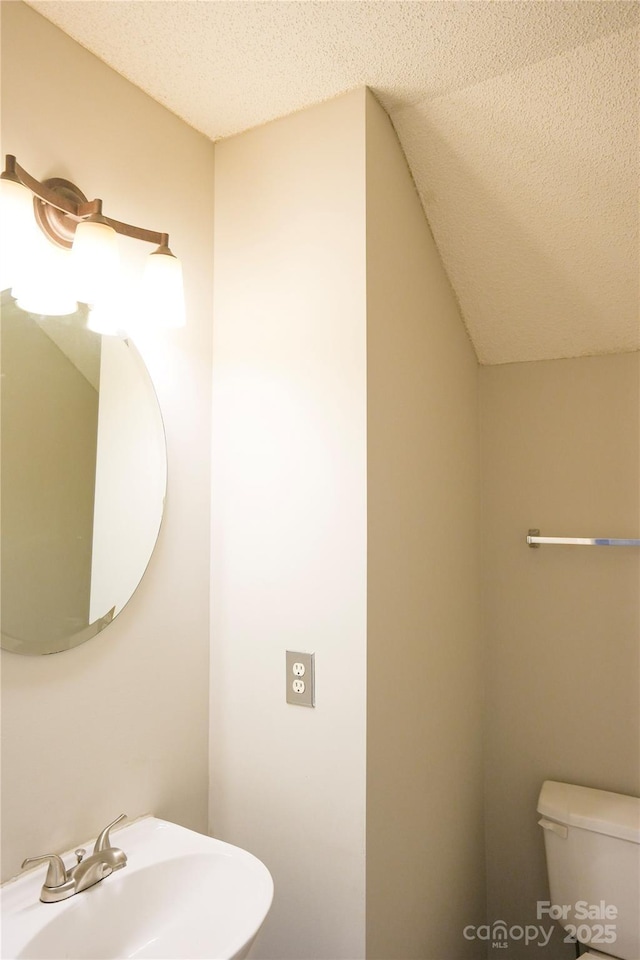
[(181, 895)]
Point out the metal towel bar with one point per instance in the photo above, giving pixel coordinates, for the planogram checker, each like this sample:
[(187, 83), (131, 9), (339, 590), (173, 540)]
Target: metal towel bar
[(534, 540)]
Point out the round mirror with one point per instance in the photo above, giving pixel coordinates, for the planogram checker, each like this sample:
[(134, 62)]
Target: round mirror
[(82, 482)]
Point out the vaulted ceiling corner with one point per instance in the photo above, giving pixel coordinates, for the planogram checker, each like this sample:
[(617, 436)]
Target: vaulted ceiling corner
[(519, 122)]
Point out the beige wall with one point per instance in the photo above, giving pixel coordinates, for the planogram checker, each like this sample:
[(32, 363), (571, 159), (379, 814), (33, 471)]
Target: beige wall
[(561, 452), (88, 733), (425, 856), (289, 518), (342, 372)]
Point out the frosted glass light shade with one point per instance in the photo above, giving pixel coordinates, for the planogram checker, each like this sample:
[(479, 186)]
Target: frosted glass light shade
[(95, 260), (162, 300), (43, 283), (17, 225), (106, 318)]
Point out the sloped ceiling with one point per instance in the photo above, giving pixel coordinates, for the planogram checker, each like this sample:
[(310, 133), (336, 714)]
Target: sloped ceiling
[(519, 121)]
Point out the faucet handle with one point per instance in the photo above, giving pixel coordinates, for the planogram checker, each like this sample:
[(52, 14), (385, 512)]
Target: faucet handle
[(104, 841), (57, 872)]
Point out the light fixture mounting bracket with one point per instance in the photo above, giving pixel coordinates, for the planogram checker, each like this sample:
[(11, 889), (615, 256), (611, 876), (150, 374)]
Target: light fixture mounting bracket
[(59, 226)]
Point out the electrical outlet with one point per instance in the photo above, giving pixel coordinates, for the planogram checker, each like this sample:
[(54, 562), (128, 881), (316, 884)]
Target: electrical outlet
[(301, 691)]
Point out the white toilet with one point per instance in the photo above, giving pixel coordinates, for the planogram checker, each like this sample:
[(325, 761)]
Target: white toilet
[(592, 842)]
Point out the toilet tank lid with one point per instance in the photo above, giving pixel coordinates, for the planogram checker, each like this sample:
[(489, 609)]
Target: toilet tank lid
[(613, 814)]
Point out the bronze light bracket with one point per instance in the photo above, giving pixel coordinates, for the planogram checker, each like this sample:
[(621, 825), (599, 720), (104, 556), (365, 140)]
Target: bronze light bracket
[(60, 205)]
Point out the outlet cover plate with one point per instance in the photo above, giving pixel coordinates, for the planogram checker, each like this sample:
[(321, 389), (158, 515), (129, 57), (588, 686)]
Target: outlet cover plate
[(303, 675)]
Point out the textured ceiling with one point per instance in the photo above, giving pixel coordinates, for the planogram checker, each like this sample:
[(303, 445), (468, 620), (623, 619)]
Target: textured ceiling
[(519, 121)]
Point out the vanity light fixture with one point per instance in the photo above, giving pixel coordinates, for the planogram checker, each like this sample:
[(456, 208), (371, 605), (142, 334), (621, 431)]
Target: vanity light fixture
[(87, 266)]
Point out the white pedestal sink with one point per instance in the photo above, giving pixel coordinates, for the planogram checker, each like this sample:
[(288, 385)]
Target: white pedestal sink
[(181, 895)]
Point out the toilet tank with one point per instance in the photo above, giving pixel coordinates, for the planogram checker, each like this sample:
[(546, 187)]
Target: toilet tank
[(592, 842)]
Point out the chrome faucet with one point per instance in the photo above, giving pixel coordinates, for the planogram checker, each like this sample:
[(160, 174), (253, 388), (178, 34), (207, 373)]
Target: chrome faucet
[(61, 883)]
